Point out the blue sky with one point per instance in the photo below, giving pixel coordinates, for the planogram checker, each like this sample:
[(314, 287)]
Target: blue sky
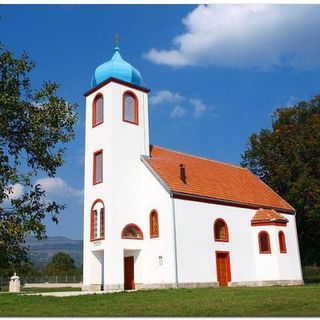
[(215, 72)]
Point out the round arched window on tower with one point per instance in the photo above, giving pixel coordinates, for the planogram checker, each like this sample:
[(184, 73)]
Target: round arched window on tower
[(97, 221), (97, 110), (130, 107)]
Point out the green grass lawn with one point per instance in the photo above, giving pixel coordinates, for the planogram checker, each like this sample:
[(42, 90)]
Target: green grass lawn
[(36, 290), (263, 301)]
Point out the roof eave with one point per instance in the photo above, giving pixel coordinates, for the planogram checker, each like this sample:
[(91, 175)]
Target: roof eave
[(270, 220), (111, 79), (155, 174), (195, 197)]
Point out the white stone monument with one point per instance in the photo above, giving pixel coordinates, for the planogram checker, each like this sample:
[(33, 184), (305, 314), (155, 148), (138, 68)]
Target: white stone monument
[(14, 285)]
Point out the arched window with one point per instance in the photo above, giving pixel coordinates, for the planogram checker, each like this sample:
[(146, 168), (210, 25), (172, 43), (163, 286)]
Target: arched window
[(132, 231), (154, 224), (97, 221), (97, 110), (221, 231), (282, 242), (130, 107), (264, 242)]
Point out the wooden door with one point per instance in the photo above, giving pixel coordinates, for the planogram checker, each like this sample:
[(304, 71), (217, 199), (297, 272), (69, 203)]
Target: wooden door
[(223, 268), (129, 273)]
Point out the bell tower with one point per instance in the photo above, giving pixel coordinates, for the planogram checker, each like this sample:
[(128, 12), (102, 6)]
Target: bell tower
[(116, 136)]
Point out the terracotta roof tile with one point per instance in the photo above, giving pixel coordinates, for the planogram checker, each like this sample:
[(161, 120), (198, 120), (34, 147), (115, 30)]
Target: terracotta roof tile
[(212, 179), (267, 215)]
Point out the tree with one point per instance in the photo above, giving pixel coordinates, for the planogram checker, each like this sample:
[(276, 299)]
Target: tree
[(287, 158), (61, 265), (34, 126)]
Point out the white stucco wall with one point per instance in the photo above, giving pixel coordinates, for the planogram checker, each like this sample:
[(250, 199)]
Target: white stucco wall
[(129, 192), (196, 246)]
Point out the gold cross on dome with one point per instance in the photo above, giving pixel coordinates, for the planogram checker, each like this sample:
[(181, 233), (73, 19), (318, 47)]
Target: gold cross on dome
[(117, 39)]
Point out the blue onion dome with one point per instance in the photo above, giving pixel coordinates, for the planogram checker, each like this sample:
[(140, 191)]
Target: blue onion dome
[(116, 68)]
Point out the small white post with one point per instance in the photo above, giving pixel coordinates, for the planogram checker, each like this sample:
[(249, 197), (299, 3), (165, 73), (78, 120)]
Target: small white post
[(14, 285)]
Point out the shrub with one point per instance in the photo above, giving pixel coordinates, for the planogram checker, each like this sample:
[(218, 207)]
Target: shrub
[(311, 274)]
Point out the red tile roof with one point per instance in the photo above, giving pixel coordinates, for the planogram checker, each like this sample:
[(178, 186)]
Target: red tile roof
[(212, 179), (267, 215)]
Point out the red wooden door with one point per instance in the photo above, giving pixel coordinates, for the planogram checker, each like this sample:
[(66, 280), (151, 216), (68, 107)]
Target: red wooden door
[(129, 273), (223, 268)]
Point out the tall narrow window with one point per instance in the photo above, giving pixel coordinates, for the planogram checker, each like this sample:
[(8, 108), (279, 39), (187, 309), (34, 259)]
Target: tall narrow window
[(282, 242), (130, 107), (95, 224), (102, 223), (97, 112), (264, 242), (221, 231), (97, 167), (97, 221), (154, 224)]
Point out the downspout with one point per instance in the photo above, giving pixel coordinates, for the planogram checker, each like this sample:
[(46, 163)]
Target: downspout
[(298, 247), (175, 240)]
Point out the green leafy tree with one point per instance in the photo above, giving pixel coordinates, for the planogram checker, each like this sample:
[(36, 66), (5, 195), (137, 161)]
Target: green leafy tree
[(61, 264), (287, 158), (25, 269), (34, 126)]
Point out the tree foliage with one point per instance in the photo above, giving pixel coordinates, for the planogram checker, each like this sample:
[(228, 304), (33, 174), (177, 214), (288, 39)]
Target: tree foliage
[(60, 265), (287, 158), (34, 126)]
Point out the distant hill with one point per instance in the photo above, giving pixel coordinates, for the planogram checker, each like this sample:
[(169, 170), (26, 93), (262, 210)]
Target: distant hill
[(42, 250)]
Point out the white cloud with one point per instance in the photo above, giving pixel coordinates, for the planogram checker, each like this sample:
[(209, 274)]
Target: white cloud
[(171, 57), (165, 96), (261, 36), (16, 191), (199, 107), (174, 100), (291, 101), (178, 112), (58, 187)]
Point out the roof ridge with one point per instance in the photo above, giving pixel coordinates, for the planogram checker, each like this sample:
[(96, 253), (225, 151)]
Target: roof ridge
[(201, 158)]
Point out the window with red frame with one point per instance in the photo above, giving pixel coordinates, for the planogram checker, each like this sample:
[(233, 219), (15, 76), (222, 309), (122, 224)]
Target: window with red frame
[(97, 167), (97, 112), (221, 231), (154, 224), (264, 242), (132, 231), (282, 242), (95, 224), (102, 223), (130, 108), (97, 221)]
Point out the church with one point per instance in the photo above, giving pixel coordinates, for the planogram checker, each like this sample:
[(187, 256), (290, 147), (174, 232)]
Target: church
[(159, 218)]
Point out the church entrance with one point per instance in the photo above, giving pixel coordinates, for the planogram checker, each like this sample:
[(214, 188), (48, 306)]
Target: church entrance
[(223, 268), (97, 267), (129, 273)]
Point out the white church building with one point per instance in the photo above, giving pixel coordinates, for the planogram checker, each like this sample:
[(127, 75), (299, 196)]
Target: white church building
[(158, 218)]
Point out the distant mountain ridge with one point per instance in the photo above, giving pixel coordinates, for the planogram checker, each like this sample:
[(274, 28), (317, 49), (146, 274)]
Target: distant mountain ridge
[(41, 251)]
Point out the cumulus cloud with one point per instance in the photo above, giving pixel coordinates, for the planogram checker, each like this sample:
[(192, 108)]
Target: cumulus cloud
[(177, 112), (16, 191), (165, 96), (195, 107), (199, 107), (58, 187), (261, 36), (291, 101)]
